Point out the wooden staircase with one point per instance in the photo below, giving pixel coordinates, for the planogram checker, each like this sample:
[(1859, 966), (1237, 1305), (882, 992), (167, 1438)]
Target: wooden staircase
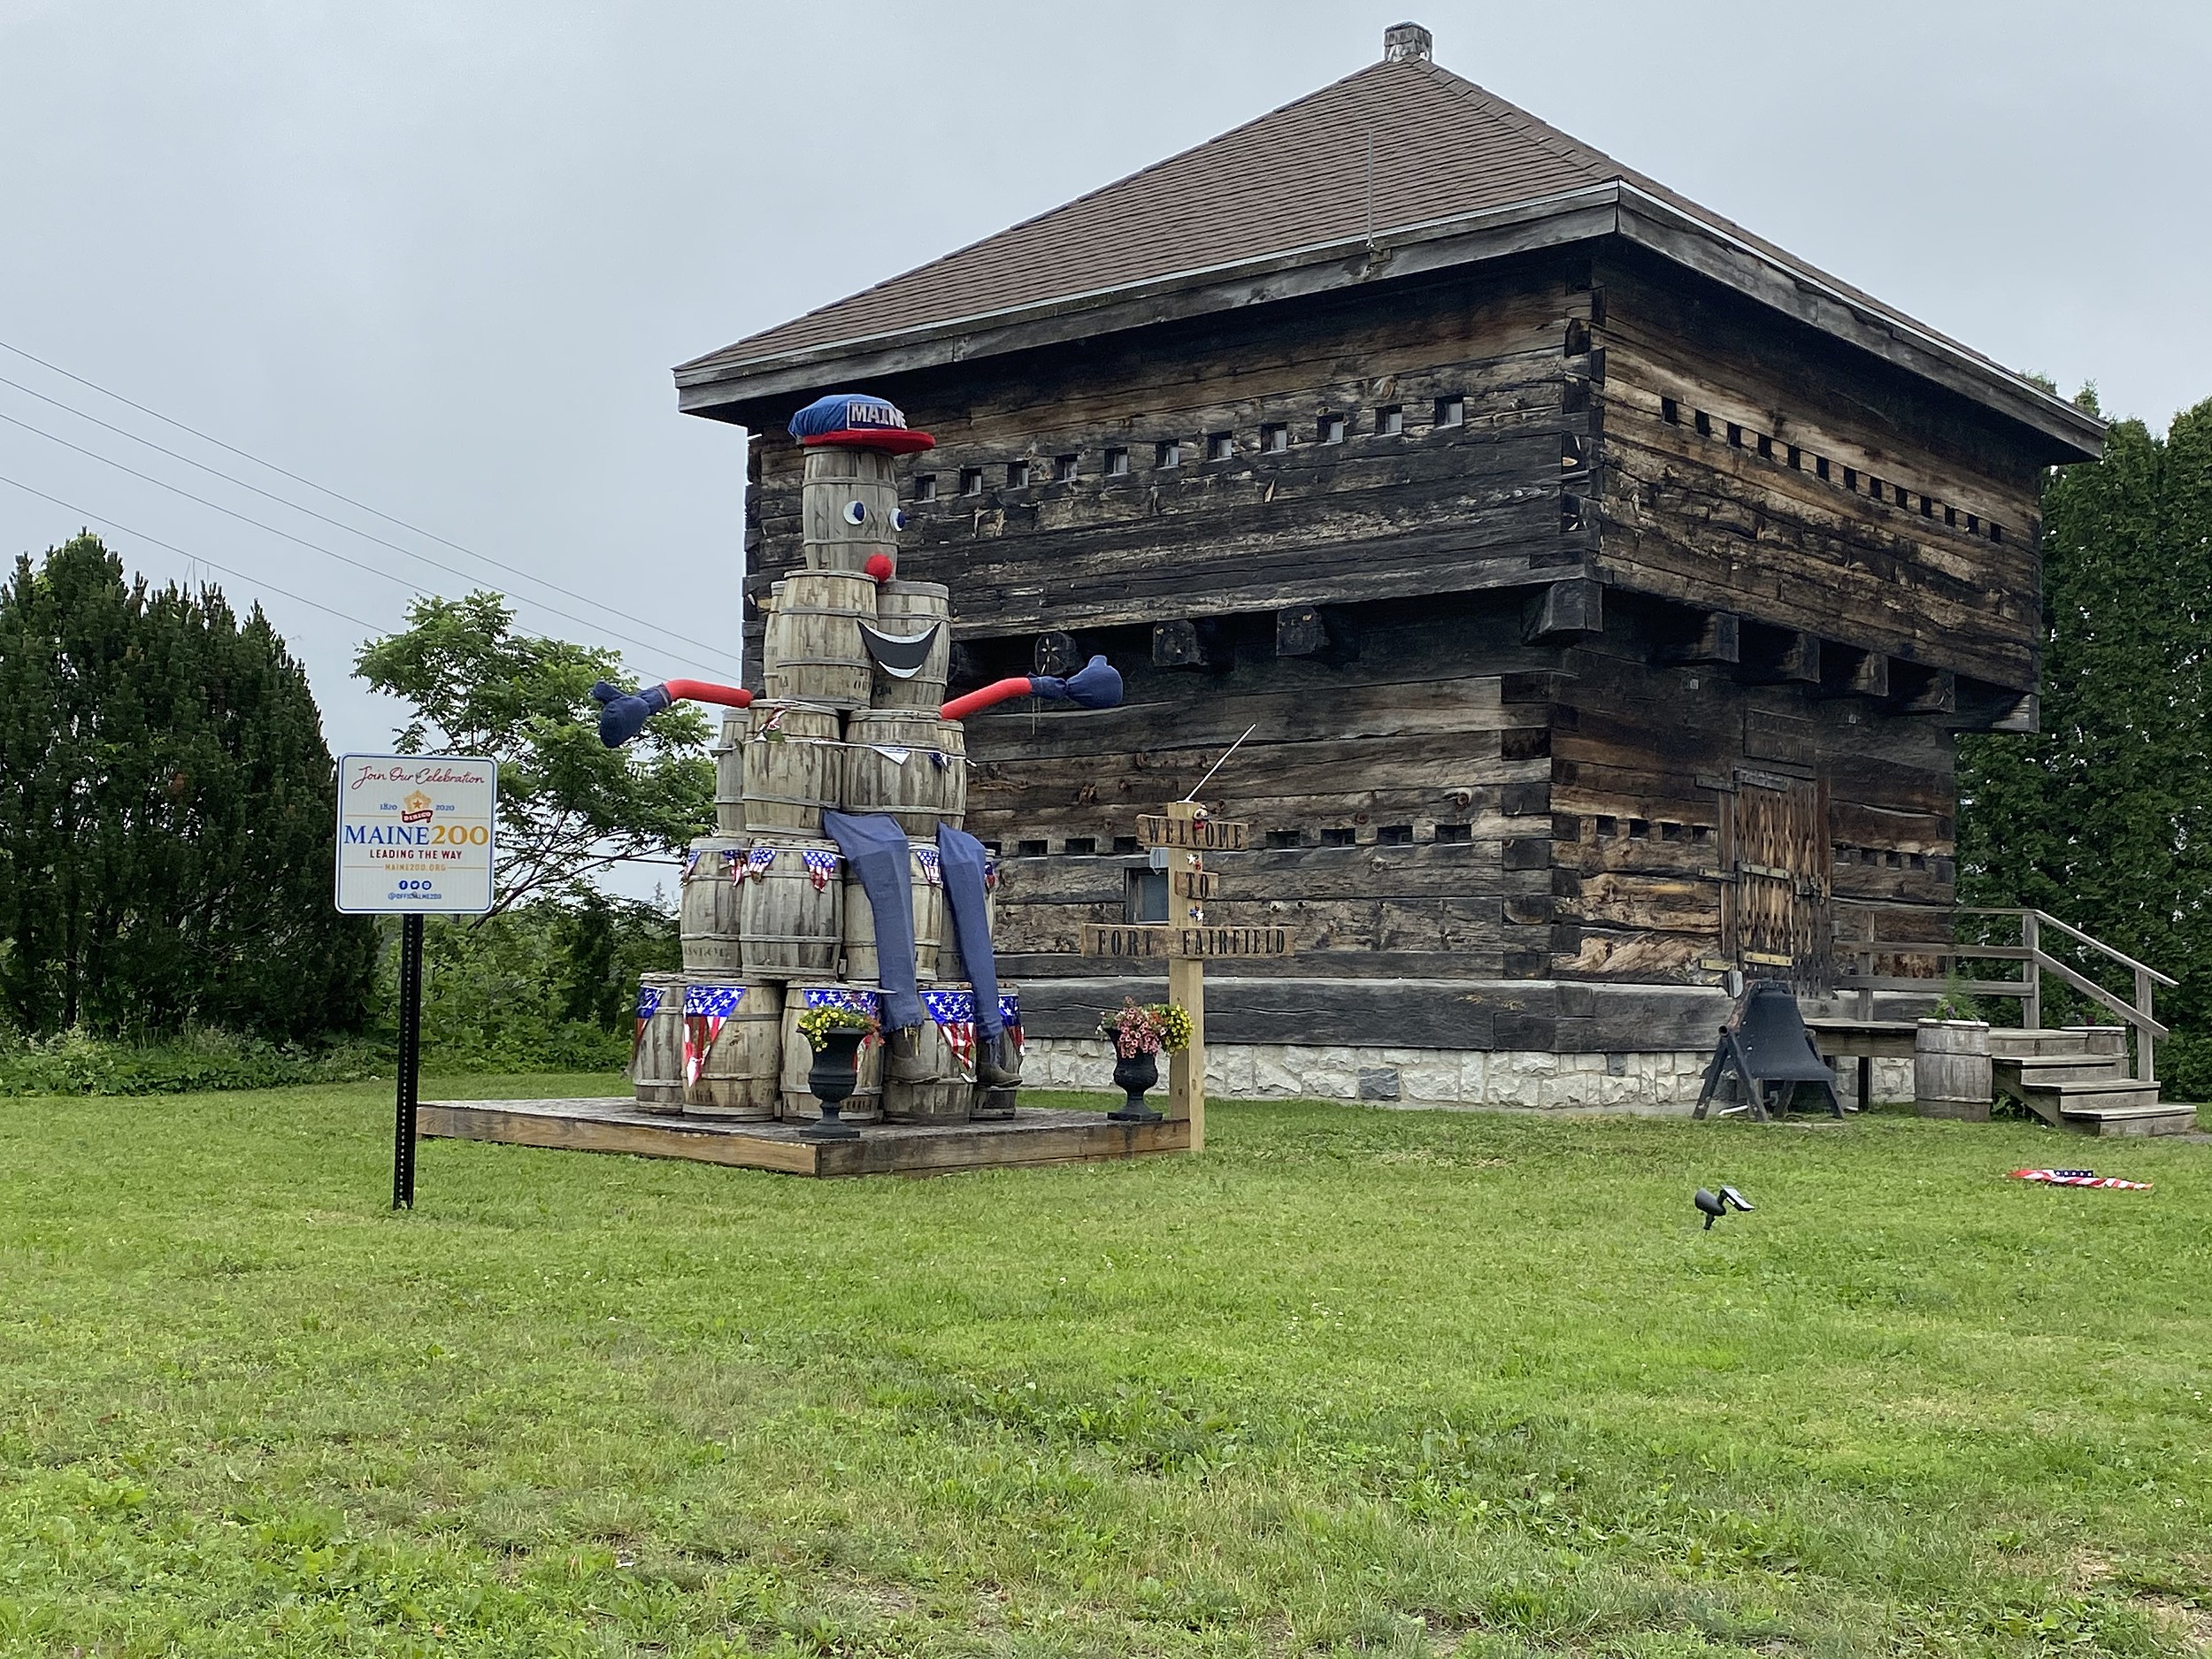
[(2078, 1078), (2082, 1078)]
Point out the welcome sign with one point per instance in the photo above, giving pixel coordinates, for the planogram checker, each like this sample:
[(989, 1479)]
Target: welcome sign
[(416, 835)]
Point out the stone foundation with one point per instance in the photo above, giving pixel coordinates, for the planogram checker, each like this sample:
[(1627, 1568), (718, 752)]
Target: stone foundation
[(1661, 1081)]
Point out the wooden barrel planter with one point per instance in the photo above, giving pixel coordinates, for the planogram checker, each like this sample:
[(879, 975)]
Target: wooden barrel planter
[(797, 1103), (729, 775), (733, 1046), (861, 962), (791, 909), (656, 1053), (904, 610), (793, 767), (708, 918), (836, 480), (812, 650), (909, 765), (1951, 1075)]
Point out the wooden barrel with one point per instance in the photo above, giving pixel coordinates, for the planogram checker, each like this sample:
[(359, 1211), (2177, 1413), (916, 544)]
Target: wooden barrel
[(947, 1041), (952, 968), (791, 909), (798, 1105), (657, 1053), (812, 650), (928, 888), (793, 767), (909, 765), (708, 918), (1951, 1071), (733, 1046), (836, 480), (903, 610), (729, 775)]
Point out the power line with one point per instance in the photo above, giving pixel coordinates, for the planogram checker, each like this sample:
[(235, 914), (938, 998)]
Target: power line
[(340, 524), (315, 547), (156, 540)]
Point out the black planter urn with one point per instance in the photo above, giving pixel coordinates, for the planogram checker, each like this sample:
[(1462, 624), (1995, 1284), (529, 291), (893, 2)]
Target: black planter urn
[(1132, 1076), (831, 1079)]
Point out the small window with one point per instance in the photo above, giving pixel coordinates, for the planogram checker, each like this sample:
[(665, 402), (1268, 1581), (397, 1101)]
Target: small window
[(1169, 454), (1451, 411), (1279, 839), (1220, 446), (1394, 835), (1951, 517), (1029, 849), (1973, 524), (1735, 436), (971, 480), (1917, 860), (1996, 533), (1797, 459), (1274, 439), (1081, 847), (1330, 429), (1455, 832), (1820, 468), (1339, 837), (1927, 508), (1063, 468), (1117, 463), (1851, 479), (1144, 896), (925, 487), (1705, 424), (1638, 829), (1669, 832), (1874, 488), (1766, 448), (1390, 421), (1608, 827), (1126, 844), (1670, 412), (1018, 475)]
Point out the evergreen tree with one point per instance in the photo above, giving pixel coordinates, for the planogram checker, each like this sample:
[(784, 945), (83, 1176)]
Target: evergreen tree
[(2103, 818), (167, 857)]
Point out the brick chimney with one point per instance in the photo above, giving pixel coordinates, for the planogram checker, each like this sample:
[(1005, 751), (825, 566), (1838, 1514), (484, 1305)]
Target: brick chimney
[(1408, 43)]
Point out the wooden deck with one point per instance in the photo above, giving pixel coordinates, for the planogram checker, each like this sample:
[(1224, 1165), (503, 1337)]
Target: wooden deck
[(615, 1125)]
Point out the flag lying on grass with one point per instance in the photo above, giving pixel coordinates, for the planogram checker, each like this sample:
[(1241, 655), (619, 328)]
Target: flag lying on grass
[(2078, 1178)]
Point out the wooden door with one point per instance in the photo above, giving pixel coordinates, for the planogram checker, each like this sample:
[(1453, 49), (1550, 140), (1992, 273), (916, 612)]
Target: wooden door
[(1778, 923)]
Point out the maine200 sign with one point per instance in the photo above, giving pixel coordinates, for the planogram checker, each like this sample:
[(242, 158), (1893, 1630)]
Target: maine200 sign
[(416, 835)]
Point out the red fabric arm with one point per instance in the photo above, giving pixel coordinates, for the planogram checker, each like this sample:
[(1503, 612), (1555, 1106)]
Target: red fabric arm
[(997, 692), (707, 691)]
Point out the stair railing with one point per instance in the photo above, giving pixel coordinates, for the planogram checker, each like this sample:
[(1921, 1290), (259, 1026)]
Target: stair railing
[(2035, 962)]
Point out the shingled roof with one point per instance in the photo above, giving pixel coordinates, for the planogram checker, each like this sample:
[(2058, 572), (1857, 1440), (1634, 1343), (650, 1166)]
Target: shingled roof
[(1396, 154)]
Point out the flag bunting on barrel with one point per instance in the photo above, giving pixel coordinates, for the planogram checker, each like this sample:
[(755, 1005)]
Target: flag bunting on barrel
[(649, 1003), (821, 867), (953, 1014), (758, 861), (733, 864), (868, 1002), (691, 863), (940, 760), (926, 856), (1009, 1014), (706, 1008), (990, 874)]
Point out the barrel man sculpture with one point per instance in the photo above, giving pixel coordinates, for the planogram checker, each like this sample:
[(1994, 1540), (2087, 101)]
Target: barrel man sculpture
[(840, 795)]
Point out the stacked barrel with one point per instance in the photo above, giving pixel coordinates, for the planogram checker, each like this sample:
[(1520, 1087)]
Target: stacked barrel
[(771, 923)]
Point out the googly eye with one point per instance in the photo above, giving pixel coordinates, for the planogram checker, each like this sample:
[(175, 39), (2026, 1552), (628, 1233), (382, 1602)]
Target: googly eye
[(898, 517), (855, 512)]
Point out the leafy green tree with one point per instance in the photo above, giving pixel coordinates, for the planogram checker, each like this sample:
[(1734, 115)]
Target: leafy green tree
[(2104, 818), (568, 806), (163, 858)]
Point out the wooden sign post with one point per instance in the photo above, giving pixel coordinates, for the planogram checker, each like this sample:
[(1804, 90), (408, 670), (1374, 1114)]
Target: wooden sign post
[(1186, 833)]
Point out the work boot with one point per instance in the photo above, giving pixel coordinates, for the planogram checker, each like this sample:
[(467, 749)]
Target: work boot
[(903, 1051), (999, 1064)]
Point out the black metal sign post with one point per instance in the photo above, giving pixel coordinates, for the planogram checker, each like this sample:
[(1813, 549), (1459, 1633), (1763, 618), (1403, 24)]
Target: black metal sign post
[(409, 1059)]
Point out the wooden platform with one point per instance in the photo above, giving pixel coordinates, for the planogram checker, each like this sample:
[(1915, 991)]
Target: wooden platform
[(615, 1125)]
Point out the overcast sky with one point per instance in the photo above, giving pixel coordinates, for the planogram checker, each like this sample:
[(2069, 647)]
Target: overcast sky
[(440, 258)]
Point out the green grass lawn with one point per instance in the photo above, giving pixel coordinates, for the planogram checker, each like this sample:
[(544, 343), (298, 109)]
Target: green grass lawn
[(1350, 1382)]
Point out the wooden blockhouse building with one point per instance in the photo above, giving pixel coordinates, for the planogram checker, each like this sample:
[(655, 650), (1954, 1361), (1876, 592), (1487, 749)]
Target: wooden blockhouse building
[(1605, 585)]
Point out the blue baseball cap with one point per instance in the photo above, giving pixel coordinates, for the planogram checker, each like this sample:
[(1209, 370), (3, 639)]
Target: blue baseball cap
[(859, 421)]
